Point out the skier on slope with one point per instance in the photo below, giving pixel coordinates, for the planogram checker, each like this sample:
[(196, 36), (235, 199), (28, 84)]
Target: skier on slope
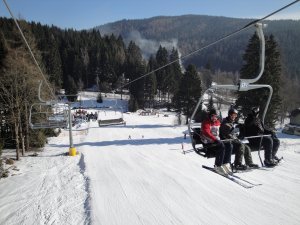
[(253, 127), (210, 136), (227, 132)]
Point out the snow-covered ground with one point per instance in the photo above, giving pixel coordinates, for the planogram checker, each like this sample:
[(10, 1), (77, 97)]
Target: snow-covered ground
[(88, 99), (138, 174)]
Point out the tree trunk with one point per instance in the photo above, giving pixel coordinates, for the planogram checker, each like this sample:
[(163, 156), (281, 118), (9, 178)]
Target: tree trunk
[(21, 135), (23, 144), (159, 96), (17, 140), (179, 118), (26, 128), (187, 120)]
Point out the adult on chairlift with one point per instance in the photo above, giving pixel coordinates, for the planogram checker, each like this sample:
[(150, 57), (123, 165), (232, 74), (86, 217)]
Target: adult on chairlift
[(254, 127), (210, 136), (241, 149)]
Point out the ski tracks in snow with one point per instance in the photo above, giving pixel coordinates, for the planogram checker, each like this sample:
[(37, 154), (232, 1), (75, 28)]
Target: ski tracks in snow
[(137, 185), (47, 192)]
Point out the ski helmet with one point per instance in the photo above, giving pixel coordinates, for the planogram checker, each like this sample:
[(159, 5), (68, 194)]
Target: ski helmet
[(212, 112), (231, 111)]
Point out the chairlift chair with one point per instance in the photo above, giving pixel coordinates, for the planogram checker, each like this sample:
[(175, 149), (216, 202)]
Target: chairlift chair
[(112, 121), (48, 115), (244, 85)]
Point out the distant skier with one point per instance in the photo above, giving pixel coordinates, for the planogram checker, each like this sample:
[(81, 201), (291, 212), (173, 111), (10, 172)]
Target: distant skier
[(227, 132), (210, 136), (254, 127)]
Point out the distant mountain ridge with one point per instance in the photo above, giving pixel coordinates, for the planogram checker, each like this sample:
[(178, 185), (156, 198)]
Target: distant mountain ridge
[(191, 32)]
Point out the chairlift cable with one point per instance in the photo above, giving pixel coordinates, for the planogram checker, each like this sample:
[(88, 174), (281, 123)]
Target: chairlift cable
[(31, 53), (213, 43)]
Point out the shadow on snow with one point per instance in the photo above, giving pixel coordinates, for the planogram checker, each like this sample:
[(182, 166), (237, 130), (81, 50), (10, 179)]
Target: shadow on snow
[(134, 142)]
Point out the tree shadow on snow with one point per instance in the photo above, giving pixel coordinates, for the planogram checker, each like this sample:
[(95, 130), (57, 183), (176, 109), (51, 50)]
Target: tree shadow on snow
[(287, 136), (134, 142), (143, 126)]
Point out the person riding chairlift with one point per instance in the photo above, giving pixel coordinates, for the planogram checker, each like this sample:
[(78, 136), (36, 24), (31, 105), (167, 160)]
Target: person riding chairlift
[(210, 136), (241, 150), (254, 127)]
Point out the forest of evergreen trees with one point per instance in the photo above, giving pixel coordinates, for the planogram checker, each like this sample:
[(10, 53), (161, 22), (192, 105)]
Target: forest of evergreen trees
[(74, 61)]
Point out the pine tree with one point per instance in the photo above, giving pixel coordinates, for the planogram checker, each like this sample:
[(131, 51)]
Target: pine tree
[(3, 49), (210, 105), (71, 89), (189, 92), (207, 76), (174, 73), (134, 68), (271, 76), (133, 104), (150, 84), (161, 59)]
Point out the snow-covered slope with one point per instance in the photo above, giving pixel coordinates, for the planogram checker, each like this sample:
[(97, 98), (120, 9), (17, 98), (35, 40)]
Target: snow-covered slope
[(137, 174)]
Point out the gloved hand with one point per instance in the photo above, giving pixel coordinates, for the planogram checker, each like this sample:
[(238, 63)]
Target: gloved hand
[(241, 137), (272, 132)]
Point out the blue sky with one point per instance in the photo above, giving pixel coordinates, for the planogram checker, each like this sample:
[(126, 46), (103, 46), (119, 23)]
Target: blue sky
[(85, 14)]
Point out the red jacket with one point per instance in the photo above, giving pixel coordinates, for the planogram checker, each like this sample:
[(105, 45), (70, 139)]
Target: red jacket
[(210, 130)]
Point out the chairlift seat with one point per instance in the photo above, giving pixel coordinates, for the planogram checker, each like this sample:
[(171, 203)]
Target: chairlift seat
[(110, 122), (208, 150), (205, 150), (49, 124)]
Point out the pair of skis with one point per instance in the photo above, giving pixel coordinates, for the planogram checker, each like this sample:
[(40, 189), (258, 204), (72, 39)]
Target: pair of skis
[(279, 162), (241, 181), (234, 178)]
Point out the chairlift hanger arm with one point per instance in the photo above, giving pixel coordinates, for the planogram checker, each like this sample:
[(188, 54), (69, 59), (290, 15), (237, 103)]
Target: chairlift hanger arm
[(39, 93), (50, 102), (260, 34), (244, 84)]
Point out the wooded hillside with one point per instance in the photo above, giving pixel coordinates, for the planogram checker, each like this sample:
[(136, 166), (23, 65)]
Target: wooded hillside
[(191, 32)]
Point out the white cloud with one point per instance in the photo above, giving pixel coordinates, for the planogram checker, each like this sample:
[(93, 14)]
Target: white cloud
[(286, 16)]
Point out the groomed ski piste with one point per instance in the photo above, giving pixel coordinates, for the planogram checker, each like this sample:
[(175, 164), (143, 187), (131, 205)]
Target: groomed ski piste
[(137, 174)]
